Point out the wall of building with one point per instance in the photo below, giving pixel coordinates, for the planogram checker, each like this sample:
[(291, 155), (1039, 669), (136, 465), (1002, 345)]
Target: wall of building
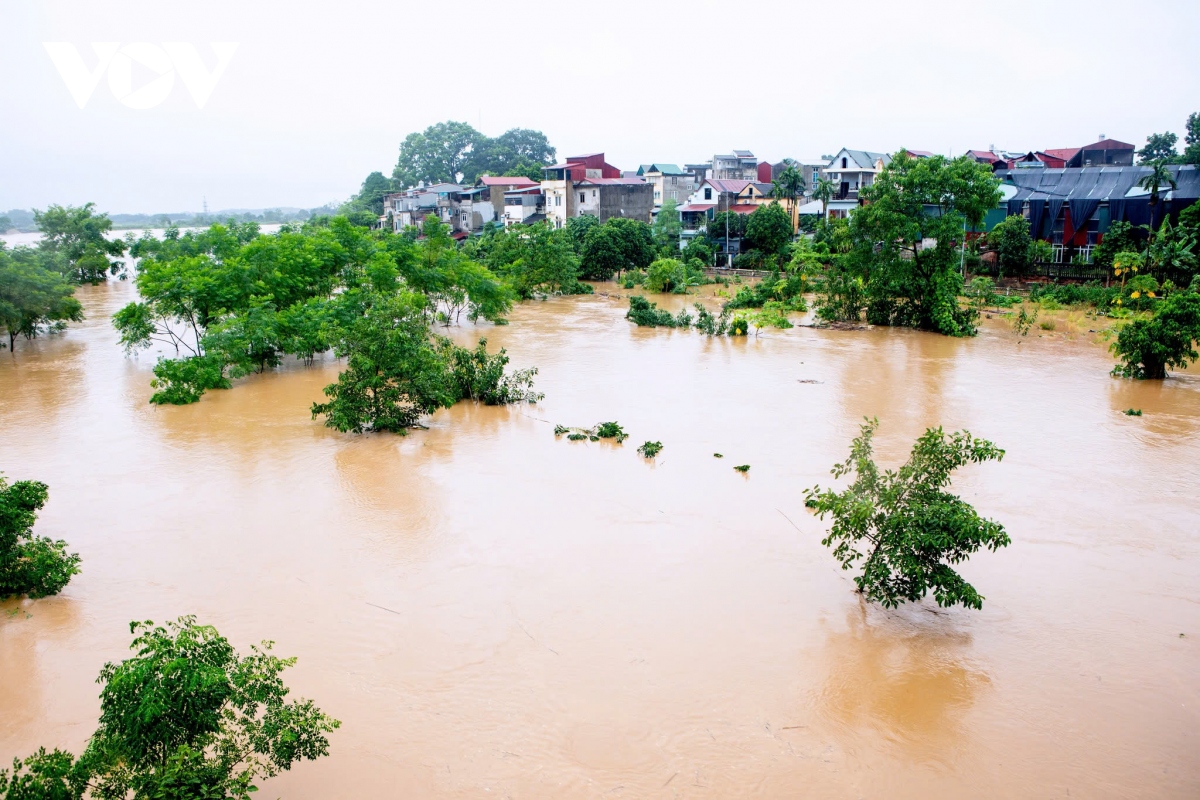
[(632, 201)]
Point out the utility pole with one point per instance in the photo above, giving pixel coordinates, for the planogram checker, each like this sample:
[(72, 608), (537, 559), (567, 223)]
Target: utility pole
[(728, 256)]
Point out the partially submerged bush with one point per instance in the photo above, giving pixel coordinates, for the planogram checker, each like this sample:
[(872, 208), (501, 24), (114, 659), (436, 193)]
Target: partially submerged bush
[(476, 375), (644, 313), (651, 449), (180, 381), (611, 430), (743, 468), (603, 430), (31, 565), (739, 327), (1147, 347)]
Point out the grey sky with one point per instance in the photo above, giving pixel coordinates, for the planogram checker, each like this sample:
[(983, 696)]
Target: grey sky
[(319, 94)]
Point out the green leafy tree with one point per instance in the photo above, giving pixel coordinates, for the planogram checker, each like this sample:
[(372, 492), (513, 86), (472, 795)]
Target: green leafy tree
[(393, 376), (76, 236), (902, 527), (478, 375), (1120, 237), (1012, 244), (667, 227), (519, 151), (769, 230), (185, 717), (912, 203), (1159, 147), (789, 186), (439, 154), (33, 298), (619, 244), (1171, 253), (29, 565), (537, 260), (1191, 151), (579, 228), (180, 381), (1147, 347), (666, 275), (370, 196), (824, 190)]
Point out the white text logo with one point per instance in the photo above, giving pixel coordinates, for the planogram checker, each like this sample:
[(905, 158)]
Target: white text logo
[(161, 63)]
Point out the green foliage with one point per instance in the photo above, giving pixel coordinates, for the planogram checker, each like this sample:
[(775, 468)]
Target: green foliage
[(742, 468), (669, 275), (1159, 147), (180, 381), (394, 374), (185, 717), (903, 527), (1155, 180), (786, 289), (650, 449), (1013, 245), (75, 238), (611, 430), (34, 297), (1120, 237), (769, 229), (667, 227), (709, 325), (578, 228), (29, 565), (1147, 347), (717, 455), (773, 315), (715, 230), (537, 260), (443, 152), (476, 375), (619, 244), (1171, 252), (982, 291), (1092, 293), (1133, 412), (1024, 321), (739, 327), (644, 313), (843, 296), (913, 202)]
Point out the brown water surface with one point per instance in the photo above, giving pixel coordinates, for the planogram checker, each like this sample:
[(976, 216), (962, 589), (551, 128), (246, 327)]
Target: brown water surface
[(494, 613)]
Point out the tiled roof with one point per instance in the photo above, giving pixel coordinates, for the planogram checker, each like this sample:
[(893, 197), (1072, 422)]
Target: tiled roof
[(728, 185)]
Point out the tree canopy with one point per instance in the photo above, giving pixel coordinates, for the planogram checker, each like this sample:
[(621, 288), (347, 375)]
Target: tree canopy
[(34, 298), (447, 150), (184, 717), (29, 565), (902, 527), (76, 238), (902, 244)]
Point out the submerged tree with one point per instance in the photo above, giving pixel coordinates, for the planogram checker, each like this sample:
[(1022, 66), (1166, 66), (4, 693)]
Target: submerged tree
[(903, 527), (75, 237), (1147, 347), (393, 376), (33, 298), (31, 565), (186, 717)]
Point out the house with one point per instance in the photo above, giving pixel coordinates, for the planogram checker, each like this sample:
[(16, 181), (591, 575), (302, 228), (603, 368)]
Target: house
[(851, 171), (1104, 153), (472, 209), (605, 198), (498, 185), (699, 172), (810, 170), (669, 182), (989, 157), (524, 206), (740, 165), (410, 207), (558, 184), (1073, 207), (764, 172)]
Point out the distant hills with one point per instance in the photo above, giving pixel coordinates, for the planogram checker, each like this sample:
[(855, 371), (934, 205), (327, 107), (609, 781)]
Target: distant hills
[(22, 220)]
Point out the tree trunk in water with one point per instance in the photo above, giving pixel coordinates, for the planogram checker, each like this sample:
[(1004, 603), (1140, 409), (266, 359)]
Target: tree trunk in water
[(1154, 370)]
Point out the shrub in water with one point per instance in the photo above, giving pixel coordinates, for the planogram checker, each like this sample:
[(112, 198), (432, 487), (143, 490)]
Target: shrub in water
[(650, 449)]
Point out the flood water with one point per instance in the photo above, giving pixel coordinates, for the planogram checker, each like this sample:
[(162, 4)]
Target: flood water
[(494, 613)]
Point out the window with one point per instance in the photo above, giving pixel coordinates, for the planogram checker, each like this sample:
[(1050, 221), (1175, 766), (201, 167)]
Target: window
[(707, 193), (558, 199), (582, 196), (843, 162)]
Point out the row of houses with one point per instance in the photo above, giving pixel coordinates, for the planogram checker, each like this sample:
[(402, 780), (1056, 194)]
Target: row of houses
[(1070, 195)]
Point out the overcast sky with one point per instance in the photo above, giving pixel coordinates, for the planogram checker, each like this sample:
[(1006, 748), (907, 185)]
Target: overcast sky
[(319, 94)]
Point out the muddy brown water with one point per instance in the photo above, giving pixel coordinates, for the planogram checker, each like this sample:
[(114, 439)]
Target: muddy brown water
[(494, 613)]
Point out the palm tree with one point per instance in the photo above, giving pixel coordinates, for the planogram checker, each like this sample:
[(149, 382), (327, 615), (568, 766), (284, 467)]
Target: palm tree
[(823, 191), (1155, 179), (789, 186)]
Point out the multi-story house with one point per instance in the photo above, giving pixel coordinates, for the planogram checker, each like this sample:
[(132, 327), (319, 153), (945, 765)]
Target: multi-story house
[(740, 165), (524, 206), (851, 171), (590, 185), (558, 183), (669, 182), (498, 185)]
